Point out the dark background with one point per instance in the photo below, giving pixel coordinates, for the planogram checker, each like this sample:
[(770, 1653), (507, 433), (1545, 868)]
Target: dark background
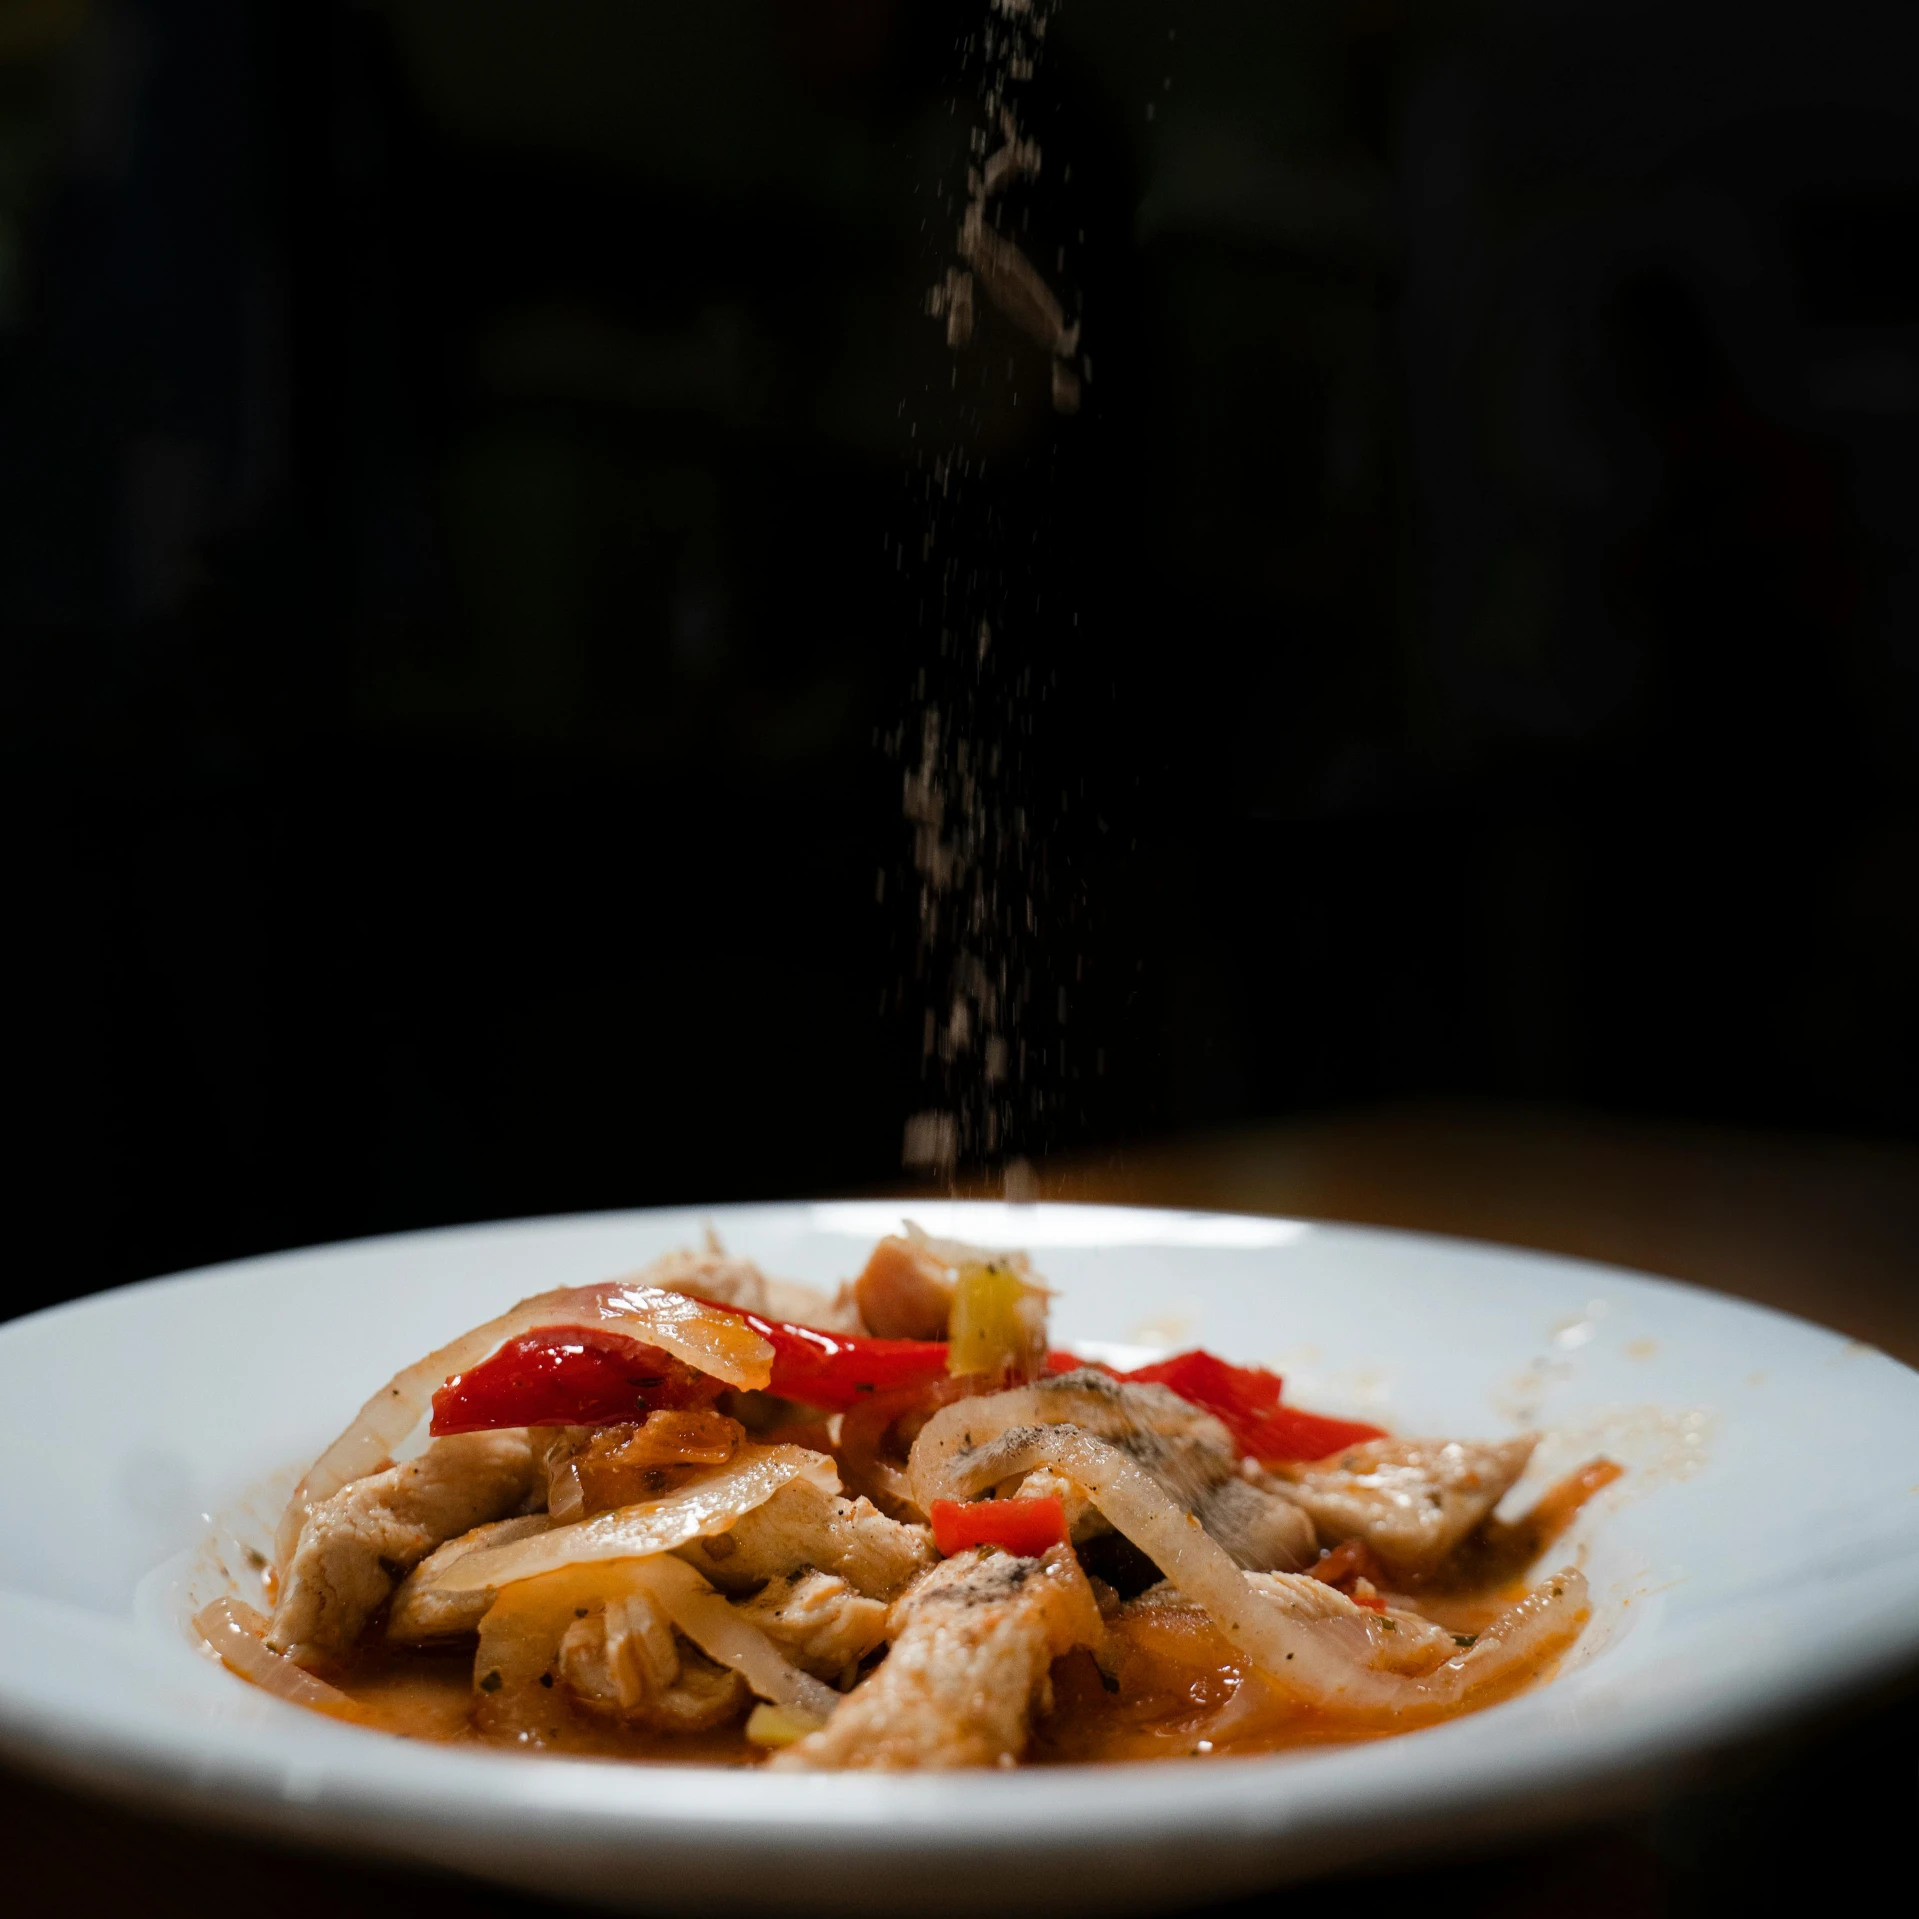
[(460, 573)]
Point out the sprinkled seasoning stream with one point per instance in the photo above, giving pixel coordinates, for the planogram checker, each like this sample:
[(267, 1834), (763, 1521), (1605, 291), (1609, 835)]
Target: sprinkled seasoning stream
[(979, 879)]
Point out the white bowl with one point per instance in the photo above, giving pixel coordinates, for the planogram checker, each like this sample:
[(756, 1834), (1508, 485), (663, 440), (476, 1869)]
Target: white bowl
[(1762, 1554)]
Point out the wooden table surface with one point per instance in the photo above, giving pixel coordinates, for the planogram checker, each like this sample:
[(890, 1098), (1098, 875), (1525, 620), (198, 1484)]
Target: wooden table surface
[(1827, 1229)]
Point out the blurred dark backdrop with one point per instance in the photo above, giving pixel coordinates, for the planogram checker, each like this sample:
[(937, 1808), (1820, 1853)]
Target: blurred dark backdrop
[(457, 573)]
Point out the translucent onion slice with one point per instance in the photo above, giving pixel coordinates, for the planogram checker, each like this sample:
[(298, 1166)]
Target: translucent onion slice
[(516, 1659), (235, 1631), (699, 1510), (719, 1632), (520, 1633), (1325, 1661), (714, 1342)]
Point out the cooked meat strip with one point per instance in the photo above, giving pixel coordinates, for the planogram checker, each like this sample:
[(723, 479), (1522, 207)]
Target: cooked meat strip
[(801, 1527), (419, 1613), (822, 1625), (1411, 1500), (972, 1645), (905, 1290), (1264, 1531), (356, 1546), (1401, 1641), (1187, 1450), (624, 1660), (1394, 1640)]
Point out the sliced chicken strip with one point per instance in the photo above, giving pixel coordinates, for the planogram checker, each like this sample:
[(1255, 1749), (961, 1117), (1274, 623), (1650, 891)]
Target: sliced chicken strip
[(419, 1613), (905, 1291), (357, 1545), (1401, 1641), (625, 1661), (1323, 1662), (1263, 1530), (1411, 1500), (1188, 1451), (973, 1644), (1396, 1641), (820, 1622), (801, 1527)]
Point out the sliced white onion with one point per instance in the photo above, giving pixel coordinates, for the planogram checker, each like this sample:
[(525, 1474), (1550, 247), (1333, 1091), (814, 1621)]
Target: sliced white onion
[(1325, 1661), (234, 1630), (714, 1342), (719, 1632), (699, 1510)]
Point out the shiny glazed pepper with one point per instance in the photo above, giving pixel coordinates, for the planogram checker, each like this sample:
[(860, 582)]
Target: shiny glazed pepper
[(838, 1370), (581, 1376), (567, 1376)]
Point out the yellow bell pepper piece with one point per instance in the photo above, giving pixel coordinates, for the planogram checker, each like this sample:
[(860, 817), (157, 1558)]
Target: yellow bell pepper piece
[(998, 1324)]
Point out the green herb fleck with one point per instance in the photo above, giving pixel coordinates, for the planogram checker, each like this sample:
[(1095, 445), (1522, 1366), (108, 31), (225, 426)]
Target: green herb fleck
[(1465, 1638), (491, 1683)]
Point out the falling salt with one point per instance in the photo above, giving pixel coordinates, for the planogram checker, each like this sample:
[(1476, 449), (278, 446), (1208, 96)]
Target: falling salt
[(980, 872)]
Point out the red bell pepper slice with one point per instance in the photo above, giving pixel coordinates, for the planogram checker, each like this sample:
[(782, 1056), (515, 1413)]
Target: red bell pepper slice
[(1288, 1433), (1027, 1527), (581, 1376), (1210, 1381), (567, 1376), (1246, 1400), (838, 1370)]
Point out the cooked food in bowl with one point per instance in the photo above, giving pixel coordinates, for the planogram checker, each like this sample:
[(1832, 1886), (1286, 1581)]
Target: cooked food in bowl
[(703, 1514)]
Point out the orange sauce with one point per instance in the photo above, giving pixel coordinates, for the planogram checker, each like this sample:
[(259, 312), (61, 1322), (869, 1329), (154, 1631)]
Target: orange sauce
[(427, 1693), (1175, 1691), (1180, 1693)]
